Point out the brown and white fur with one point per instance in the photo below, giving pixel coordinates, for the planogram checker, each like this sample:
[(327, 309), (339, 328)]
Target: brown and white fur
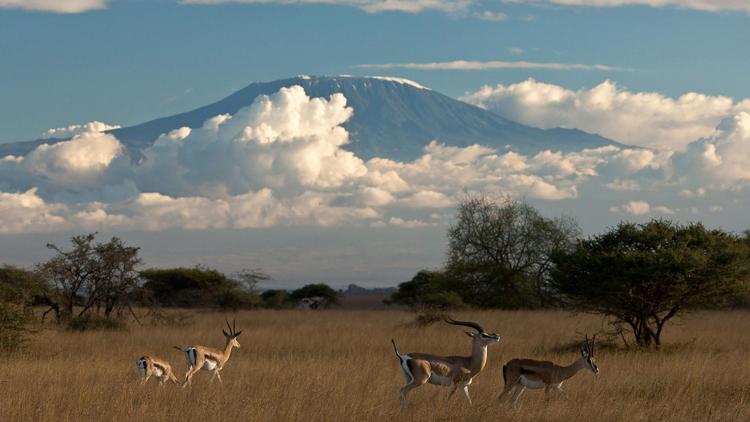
[(159, 368), (451, 371), (208, 358), (520, 374)]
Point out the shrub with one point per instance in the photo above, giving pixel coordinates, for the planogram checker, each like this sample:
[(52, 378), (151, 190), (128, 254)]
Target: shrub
[(90, 322)]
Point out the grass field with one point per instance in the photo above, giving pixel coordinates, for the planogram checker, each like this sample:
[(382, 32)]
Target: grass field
[(339, 366)]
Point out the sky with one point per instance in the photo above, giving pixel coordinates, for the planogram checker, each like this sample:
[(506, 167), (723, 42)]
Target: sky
[(667, 75)]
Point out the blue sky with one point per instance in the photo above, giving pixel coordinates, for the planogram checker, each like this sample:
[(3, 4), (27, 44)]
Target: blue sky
[(671, 79), (136, 60)]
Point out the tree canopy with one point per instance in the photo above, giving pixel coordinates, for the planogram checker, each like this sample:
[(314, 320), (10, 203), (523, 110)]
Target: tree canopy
[(643, 275), (500, 251), (203, 287)]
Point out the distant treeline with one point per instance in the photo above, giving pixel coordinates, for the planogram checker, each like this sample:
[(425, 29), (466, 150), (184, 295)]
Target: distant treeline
[(95, 284), (502, 253)]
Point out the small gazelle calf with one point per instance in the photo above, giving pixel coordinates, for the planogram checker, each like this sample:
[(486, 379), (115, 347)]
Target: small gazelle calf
[(520, 374), (208, 358), (159, 368)]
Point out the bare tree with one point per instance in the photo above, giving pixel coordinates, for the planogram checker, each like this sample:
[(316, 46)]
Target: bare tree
[(90, 276)]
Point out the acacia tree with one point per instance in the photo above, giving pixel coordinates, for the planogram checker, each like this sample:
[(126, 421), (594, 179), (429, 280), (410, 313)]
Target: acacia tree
[(642, 276), (500, 251), (90, 276)]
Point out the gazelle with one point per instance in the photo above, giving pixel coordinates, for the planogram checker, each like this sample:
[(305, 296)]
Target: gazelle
[(159, 368), (452, 371), (520, 374), (208, 358)]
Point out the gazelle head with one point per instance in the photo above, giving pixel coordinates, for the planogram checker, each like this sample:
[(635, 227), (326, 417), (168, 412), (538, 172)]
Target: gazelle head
[(587, 352), (480, 336), (232, 334)]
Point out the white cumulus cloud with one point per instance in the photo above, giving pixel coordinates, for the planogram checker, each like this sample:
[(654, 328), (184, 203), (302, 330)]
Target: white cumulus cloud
[(705, 5), (636, 118), (370, 6), (72, 130), (489, 65), (55, 6)]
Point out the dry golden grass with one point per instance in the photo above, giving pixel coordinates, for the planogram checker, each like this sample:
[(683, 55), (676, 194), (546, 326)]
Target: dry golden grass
[(339, 366)]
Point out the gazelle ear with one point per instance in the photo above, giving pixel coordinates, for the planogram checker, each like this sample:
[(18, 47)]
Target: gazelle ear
[(472, 335), (237, 334)]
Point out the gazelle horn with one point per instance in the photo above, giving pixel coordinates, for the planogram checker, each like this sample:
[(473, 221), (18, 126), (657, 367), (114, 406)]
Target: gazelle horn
[(473, 325)]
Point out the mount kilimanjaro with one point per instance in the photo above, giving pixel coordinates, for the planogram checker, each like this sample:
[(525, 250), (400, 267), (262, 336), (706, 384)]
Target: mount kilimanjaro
[(393, 118)]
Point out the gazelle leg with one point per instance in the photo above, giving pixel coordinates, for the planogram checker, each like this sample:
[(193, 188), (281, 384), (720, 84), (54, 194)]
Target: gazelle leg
[(452, 390), (418, 380), (189, 374), (419, 375), (517, 394), (506, 390), (466, 393), (215, 374), (147, 375)]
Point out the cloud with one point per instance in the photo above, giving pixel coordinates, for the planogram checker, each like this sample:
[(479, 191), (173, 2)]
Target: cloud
[(637, 207), (370, 6), (288, 142), (637, 118), (72, 130), (282, 161), (704, 5), (76, 164), (27, 212), (489, 65), (721, 159), (490, 16), (55, 6)]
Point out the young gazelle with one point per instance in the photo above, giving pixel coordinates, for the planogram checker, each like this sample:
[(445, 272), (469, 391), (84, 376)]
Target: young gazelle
[(520, 374), (453, 371), (208, 358), (151, 365)]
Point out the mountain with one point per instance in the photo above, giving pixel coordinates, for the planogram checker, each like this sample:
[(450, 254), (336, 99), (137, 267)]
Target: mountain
[(393, 118)]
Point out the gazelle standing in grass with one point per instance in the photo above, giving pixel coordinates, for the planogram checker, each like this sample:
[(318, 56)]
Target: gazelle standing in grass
[(208, 358), (520, 374), (452, 371), (159, 368)]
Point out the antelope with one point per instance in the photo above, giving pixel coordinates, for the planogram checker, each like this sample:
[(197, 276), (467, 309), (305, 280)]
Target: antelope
[(208, 358), (520, 374), (159, 368), (452, 371)]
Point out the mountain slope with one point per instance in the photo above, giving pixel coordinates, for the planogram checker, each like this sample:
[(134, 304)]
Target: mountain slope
[(392, 118)]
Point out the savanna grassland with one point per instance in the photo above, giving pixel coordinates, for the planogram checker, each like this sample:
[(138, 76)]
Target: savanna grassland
[(339, 366)]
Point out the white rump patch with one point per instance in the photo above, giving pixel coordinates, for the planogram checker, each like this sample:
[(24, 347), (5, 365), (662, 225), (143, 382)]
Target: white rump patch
[(405, 368), (209, 364), (531, 383), (158, 372), (141, 367), (190, 356)]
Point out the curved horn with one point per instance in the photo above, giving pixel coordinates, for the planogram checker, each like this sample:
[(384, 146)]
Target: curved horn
[(473, 325), (231, 331), (234, 326)]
